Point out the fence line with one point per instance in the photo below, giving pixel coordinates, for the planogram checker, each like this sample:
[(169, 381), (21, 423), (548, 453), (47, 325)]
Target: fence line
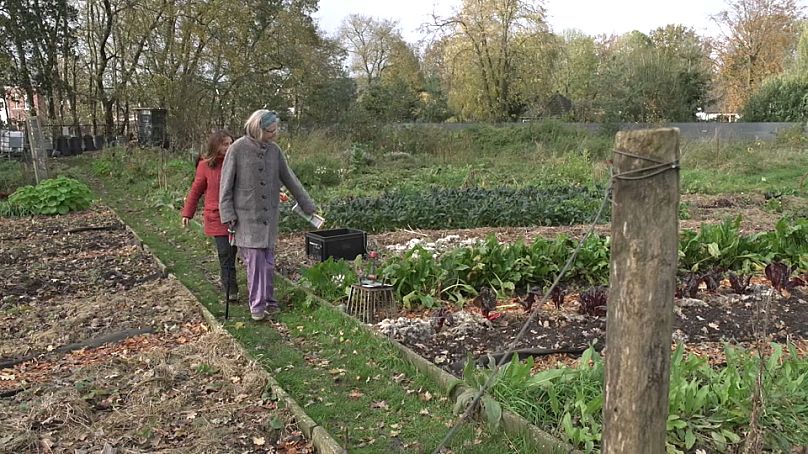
[(690, 131)]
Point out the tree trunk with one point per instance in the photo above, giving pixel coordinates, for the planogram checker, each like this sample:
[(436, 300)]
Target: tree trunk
[(109, 116), (74, 111), (644, 251)]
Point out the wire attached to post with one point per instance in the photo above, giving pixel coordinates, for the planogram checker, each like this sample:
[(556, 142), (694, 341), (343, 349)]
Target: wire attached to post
[(658, 168)]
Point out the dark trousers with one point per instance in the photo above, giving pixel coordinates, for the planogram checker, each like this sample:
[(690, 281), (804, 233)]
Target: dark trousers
[(227, 263)]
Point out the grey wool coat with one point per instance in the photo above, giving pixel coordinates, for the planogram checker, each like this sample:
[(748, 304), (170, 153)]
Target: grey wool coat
[(249, 191)]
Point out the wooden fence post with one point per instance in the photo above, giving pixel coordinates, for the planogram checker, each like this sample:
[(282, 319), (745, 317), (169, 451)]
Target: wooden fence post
[(644, 252), (38, 146)]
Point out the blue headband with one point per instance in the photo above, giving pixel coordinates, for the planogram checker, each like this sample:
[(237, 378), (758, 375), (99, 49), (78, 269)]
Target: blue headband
[(268, 118)]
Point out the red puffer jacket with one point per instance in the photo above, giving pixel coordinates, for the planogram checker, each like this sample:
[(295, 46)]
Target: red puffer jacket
[(206, 182)]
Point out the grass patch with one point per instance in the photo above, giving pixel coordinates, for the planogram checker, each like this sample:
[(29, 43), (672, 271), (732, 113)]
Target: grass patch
[(14, 174), (748, 167)]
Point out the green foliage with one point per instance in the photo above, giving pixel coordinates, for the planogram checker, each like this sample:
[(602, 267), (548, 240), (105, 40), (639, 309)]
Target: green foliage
[(59, 195), (416, 277), (422, 279), (318, 172), (708, 408), (782, 98), (390, 102), (330, 279), (788, 242), (663, 76), (720, 246), (467, 208), (12, 176), (490, 409), (171, 199), (552, 136)]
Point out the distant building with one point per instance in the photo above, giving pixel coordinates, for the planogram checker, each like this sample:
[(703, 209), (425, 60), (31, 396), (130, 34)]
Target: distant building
[(721, 117), (556, 106), (15, 107)]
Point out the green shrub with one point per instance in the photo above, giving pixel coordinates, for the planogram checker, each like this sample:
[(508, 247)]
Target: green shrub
[(53, 196), (318, 172), (457, 208), (172, 199), (330, 278)]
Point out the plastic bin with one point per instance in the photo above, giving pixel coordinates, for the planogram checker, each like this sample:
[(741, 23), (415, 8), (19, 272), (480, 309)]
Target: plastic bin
[(337, 243)]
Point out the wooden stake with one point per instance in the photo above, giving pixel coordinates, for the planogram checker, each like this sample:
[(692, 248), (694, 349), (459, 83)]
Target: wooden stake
[(644, 251)]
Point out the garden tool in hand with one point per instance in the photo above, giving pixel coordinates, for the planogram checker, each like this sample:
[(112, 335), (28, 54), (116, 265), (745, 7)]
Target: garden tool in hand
[(231, 234)]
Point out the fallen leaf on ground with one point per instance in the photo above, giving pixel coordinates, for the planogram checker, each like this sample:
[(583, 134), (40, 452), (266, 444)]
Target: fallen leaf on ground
[(380, 404)]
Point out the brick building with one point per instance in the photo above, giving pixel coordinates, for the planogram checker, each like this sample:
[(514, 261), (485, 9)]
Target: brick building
[(14, 108)]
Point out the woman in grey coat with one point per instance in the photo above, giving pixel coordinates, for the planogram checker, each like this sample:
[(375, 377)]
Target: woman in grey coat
[(252, 174)]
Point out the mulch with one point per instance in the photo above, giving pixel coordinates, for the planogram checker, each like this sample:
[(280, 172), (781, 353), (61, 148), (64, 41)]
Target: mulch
[(180, 388)]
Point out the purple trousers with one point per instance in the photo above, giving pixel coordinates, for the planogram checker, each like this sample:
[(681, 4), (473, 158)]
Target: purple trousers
[(260, 278)]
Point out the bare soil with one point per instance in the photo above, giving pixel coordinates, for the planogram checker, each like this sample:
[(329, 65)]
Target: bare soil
[(180, 388), (713, 319)]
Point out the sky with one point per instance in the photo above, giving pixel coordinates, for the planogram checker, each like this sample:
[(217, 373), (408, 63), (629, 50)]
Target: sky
[(593, 17)]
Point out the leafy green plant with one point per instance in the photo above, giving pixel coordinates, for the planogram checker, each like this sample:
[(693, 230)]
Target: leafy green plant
[(171, 199), (422, 279), (788, 242), (709, 408), (475, 381), (415, 276), (59, 195), (720, 246), (467, 208), (330, 279)]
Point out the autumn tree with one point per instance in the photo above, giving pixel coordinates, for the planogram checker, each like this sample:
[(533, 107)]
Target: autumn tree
[(758, 38), (662, 76), (370, 43), (576, 72), (783, 97), (686, 58), (489, 46)]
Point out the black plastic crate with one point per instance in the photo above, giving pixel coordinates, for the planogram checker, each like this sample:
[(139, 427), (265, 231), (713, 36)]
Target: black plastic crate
[(337, 243)]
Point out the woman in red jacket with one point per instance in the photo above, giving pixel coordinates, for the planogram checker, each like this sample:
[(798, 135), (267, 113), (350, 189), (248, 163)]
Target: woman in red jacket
[(206, 181)]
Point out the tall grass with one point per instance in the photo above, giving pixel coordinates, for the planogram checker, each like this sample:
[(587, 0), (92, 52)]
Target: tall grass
[(14, 174), (744, 167)]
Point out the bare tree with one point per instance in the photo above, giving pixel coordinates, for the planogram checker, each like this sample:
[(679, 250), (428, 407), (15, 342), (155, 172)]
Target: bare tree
[(370, 43)]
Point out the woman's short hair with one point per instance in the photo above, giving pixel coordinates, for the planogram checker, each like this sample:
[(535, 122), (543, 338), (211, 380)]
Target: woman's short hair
[(258, 121)]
